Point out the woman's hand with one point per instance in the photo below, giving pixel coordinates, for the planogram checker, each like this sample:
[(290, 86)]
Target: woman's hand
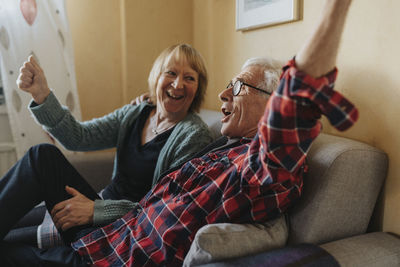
[(31, 79), (138, 100), (75, 211)]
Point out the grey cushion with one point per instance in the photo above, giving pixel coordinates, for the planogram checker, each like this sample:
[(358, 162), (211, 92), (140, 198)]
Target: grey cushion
[(340, 190), (215, 242), (213, 120), (302, 255), (369, 250), (95, 167)]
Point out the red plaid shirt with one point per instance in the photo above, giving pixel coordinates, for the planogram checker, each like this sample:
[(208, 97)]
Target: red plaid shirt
[(252, 182)]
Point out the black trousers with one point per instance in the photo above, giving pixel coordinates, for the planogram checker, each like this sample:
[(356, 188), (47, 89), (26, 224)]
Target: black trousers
[(25, 231), (15, 254), (40, 175)]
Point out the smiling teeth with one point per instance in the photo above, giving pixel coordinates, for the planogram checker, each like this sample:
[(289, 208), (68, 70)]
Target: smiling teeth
[(172, 95)]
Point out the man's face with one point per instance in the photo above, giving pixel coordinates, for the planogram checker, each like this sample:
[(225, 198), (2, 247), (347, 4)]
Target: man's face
[(242, 112)]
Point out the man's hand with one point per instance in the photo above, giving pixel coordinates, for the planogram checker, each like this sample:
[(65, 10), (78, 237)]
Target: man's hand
[(31, 79), (318, 55), (75, 211), (138, 100)]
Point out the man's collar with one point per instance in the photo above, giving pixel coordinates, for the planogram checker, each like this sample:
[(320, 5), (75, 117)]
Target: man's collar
[(243, 140), (232, 140)]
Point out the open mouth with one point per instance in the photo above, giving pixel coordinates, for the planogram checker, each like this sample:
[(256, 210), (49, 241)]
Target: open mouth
[(226, 116), (171, 94), (225, 112)]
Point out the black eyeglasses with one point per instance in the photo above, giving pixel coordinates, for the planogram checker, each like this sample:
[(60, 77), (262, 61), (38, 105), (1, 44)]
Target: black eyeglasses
[(237, 86)]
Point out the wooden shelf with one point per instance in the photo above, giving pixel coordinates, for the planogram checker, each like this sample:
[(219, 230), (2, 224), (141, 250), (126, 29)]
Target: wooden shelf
[(6, 146)]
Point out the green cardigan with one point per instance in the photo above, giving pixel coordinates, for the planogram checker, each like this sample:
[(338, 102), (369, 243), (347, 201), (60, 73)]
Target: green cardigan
[(189, 136)]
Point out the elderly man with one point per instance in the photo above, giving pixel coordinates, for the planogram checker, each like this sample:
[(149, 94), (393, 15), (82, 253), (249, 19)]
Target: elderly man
[(252, 180)]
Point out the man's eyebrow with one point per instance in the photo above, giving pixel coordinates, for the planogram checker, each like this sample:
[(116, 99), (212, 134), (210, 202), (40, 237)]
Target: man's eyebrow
[(239, 79)]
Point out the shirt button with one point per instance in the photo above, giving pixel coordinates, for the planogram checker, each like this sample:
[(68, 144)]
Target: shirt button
[(139, 210)]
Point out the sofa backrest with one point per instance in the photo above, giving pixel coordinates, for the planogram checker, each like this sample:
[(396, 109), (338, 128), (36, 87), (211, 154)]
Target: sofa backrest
[(340, 190), (95, 167), (213, 120)]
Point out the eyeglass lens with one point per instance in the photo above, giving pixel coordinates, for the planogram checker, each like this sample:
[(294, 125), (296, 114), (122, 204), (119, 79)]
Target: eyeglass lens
[(236, 88)]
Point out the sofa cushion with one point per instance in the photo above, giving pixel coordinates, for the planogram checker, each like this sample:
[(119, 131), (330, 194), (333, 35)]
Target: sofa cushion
[(340, 190), (223, 241), (213, 119), (369, 250), (303, 255), (95, 167)]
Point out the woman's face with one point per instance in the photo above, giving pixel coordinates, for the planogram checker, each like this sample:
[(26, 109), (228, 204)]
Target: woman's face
[(176, 88)]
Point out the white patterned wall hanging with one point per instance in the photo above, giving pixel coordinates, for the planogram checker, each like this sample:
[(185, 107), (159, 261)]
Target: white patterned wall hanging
[(40, 28)]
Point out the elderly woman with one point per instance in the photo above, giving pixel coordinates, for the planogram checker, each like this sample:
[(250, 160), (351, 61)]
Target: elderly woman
[(150, 139)]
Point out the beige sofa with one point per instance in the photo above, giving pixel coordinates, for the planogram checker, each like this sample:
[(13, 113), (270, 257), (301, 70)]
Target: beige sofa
[(340, 191)]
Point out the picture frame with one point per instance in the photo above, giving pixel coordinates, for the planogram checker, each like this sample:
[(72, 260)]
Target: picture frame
[(251, 14)]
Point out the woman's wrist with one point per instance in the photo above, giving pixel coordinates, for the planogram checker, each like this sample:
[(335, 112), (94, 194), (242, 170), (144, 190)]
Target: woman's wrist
[(40, 98)]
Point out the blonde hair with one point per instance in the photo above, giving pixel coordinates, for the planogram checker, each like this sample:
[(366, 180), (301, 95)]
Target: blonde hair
[(196, 62)]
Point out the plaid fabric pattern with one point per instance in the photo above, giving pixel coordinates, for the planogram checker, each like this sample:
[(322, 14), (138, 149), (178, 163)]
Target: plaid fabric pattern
[(253, 182), (47, 233)]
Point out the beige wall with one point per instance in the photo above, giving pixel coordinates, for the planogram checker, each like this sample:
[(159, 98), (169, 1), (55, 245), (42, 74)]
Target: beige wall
[(95, 29), (116, 42), (151, 26)]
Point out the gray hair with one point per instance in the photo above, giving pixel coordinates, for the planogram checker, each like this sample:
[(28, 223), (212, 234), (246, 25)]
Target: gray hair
[(272, 70)]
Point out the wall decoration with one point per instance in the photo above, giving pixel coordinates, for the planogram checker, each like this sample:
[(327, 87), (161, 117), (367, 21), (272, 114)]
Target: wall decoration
[(252, 14), (16, 101), (38, 28), (4, 39), (29, 10), (61, 38)]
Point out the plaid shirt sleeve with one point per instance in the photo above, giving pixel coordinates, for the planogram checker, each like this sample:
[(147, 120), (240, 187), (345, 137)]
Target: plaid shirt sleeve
[(274, 165), (291, 123)]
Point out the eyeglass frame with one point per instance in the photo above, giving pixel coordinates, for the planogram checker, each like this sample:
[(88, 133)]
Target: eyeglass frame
[(230, 84)]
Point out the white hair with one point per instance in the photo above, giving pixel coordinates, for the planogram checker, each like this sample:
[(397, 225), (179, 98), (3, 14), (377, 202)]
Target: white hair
[(272, 70)]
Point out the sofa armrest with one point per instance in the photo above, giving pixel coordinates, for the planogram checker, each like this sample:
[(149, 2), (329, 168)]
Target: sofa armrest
[(95, 167), (368, 250)]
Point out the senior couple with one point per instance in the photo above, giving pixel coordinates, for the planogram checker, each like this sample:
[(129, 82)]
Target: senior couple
[(254, 175)]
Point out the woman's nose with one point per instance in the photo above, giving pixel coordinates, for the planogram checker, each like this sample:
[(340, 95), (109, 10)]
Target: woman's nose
[(226, 94), (178, 82)]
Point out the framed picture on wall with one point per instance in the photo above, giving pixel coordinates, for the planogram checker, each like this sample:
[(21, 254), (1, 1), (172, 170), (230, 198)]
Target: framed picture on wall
[(252, 14)]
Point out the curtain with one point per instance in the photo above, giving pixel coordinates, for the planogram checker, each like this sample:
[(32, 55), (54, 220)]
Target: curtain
[(40, 28)]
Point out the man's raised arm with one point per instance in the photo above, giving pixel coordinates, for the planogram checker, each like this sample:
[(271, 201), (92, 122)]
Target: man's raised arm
[(318, 56), (291, 121)]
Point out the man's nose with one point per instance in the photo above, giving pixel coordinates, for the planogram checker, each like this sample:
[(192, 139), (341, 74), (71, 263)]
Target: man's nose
[(178, 82), (226, 94)]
